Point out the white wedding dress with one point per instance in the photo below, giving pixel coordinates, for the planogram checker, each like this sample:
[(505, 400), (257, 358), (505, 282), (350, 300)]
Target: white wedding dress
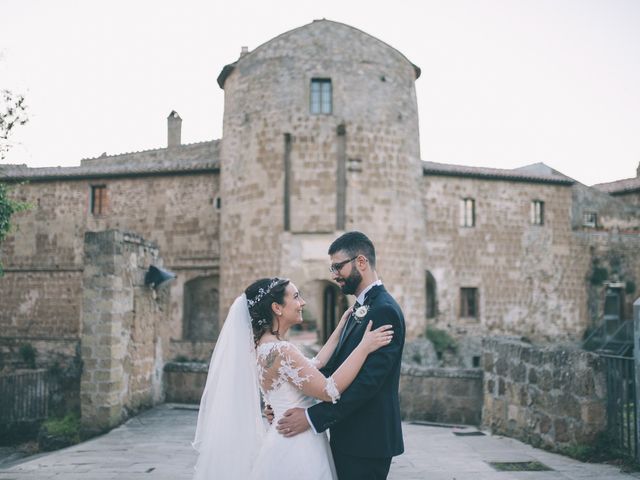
[(285, 375), (232, 438)]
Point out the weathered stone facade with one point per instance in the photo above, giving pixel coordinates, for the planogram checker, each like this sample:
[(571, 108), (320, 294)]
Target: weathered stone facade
[(552, 396), (284, 181), (627, 190), (124, 330), (293, 180), (168, 195)]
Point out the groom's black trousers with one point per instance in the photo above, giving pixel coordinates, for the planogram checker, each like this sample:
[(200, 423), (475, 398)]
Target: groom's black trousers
[(359, 468)]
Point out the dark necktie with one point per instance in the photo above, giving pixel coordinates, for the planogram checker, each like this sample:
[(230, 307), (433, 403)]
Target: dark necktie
[(348, 322)]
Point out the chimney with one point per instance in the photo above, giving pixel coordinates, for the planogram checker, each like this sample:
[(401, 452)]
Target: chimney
[(174, 128), (638, 170), (244, 51)]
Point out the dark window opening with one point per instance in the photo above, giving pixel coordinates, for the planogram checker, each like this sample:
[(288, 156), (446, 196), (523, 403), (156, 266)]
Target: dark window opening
[(469, 302), (431, 296), (590, 219)]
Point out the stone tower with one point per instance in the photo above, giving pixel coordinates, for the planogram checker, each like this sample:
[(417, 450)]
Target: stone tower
[(320, 136)]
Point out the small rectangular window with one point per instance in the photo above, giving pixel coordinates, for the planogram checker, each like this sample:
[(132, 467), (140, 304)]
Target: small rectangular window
[(467, 212), (469, 302), (99, 199), (590, 219), (321, 93), (537, 212)]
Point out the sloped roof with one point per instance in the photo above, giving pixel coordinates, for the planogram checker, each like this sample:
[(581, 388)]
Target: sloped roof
[(619, 187), (515, 175), (227, 69), (192, 158)]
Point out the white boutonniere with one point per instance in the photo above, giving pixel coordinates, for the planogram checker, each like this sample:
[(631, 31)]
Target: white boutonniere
[(361, 312)]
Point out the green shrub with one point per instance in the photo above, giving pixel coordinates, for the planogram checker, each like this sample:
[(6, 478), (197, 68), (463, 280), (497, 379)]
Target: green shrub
[(69, 426), (441, 340), (56, 433), (599, 275)]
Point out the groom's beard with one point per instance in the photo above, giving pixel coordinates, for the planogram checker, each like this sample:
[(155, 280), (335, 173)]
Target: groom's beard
[(351, 282)]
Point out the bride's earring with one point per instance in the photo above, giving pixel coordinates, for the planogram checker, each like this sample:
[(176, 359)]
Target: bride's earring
[(276, 326)]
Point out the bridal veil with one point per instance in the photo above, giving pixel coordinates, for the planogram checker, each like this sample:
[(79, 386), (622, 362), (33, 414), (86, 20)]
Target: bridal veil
[(230, 426)]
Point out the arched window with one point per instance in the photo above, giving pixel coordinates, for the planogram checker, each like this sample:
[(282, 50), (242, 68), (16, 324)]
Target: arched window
[(200, 308)]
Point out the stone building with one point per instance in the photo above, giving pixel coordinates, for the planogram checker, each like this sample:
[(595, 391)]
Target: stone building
[(320, 137)]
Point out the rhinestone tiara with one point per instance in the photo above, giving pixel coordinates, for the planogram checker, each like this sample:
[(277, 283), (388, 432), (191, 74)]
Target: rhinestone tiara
[(262, 292)]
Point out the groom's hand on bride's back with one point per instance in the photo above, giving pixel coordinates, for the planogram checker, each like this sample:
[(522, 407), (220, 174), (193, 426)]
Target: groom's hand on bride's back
[(268, 413), (293, 422)]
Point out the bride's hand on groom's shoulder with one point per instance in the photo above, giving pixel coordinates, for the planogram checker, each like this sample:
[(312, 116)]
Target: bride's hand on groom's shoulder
[(372, 340)]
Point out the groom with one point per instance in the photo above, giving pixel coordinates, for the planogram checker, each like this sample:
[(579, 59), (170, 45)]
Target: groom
[(365, 422)]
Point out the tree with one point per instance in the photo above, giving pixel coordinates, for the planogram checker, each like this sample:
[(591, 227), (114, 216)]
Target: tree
[(13, 112)]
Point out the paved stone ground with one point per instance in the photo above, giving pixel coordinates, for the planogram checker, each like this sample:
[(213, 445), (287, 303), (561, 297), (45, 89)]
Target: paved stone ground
[(156, 446)]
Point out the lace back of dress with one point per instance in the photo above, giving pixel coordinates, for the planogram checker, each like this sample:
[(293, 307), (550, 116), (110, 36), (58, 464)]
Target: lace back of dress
[(269, 364)]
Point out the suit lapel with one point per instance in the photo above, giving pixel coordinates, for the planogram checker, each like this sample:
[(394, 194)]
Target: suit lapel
[(352, 324)]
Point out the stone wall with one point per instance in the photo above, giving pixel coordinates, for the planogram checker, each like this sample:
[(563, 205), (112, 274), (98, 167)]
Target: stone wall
[(41, 291), (549, 396), (429, 394), (124, 333), (184, 382), (530, 278), (58, 352), (443, 395)]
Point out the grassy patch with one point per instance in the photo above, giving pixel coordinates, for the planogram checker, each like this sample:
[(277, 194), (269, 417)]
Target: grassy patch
[(57, 433), (532, 466)]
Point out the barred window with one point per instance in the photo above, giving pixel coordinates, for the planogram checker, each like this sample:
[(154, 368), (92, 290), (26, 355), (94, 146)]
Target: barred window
[(99, 199), (467, 212), (537, 212), (321, 93)]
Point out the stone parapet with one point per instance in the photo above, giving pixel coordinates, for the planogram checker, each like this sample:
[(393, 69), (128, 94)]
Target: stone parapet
[(443, 395), (184, 381), (552, 396)]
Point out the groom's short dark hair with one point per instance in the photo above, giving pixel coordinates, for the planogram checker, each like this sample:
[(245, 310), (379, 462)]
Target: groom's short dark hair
[(355, 243)]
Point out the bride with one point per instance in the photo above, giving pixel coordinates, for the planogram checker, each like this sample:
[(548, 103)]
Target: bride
[(251, 356)]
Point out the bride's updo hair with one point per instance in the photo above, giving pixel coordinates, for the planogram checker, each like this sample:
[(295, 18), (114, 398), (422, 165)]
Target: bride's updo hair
[(260, 295)]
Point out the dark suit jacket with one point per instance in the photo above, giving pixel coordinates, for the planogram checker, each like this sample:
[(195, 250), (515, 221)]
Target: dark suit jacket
[(365, 422)]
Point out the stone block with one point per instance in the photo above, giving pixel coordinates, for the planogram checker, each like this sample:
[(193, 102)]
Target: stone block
[(594, 413), (561, 430)]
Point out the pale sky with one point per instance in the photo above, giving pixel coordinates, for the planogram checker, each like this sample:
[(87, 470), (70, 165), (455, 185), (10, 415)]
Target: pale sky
[(504, 83)]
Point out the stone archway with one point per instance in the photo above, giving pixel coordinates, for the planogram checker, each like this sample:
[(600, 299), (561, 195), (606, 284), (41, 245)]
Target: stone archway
[(334, 304)]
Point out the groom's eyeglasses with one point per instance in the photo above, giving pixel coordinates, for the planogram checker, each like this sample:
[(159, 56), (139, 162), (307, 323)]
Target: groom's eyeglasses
[(336, 267)]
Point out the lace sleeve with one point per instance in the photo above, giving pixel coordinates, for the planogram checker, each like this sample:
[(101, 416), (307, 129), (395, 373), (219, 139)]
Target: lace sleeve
[(301, 372)]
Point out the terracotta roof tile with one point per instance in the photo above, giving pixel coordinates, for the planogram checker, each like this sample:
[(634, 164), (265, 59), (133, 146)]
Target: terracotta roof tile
[(446, 169), (619, 186)]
